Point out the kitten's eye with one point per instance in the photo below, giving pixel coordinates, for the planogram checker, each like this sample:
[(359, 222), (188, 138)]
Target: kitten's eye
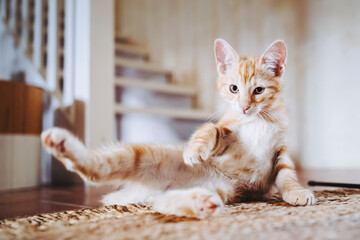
[(259, 90), (234, 88)]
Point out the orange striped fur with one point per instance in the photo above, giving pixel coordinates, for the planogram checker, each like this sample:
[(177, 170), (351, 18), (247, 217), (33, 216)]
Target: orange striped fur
[(239, 157)]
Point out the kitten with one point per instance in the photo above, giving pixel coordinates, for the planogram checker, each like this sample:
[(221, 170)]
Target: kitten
[(238, 158)]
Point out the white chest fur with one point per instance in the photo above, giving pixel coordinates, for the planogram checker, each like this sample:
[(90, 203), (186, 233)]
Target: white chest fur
[(258, 139), (251, 156)]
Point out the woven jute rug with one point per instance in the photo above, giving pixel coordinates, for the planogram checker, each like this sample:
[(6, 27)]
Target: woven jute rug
[(335, 216)]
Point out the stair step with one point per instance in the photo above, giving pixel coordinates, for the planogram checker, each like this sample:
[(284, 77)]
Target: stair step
[(142, 66), (155, 86), (188, 114), (123, 40), (131, 51)]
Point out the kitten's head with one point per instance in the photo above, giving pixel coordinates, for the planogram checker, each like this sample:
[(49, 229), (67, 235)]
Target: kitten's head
[(250, 84)]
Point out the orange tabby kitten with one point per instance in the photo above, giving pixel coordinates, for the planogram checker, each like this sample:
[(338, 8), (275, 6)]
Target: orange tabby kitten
[(238, 158)]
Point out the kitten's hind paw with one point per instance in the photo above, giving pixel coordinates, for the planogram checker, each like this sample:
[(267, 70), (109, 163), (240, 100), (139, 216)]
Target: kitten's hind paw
[(300, 197), (54, 141), (62, 144), (206, 205), (198, 203)]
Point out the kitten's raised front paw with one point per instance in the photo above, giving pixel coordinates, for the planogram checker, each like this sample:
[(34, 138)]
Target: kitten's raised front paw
[(300, 197), (55, 141), (206, 205), (195, 154)]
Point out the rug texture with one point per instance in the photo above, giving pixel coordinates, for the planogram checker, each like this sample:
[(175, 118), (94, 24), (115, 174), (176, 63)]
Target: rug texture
[(335, 216)]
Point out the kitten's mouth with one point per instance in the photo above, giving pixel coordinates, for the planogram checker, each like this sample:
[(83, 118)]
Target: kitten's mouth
[(248, 113), (253, 111)]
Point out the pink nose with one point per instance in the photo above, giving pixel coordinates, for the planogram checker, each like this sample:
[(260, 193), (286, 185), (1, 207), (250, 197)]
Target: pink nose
[(245, 109)]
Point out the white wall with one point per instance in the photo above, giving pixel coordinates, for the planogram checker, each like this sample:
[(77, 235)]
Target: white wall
[(101, 117), (330, 112)]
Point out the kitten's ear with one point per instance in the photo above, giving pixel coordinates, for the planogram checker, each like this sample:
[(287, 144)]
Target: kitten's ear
[(226, 57), (274, 58)]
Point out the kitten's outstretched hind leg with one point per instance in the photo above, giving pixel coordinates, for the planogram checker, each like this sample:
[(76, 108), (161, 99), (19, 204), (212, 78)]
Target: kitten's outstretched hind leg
[(70, 151), (149, 164), (102, 166), (195, 202)]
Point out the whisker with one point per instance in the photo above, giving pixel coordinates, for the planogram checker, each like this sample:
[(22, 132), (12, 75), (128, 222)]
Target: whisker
[(214, 116)]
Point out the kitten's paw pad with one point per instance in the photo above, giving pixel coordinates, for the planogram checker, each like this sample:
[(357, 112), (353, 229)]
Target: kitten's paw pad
[(54, 141), (206, 205), (300, 197), (195, 155)]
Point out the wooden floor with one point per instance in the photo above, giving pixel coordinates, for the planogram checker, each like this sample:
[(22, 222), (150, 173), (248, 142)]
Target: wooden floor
[(52, 199)]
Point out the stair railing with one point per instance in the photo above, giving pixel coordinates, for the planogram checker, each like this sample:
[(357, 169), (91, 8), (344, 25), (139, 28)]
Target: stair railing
[(42, 30)]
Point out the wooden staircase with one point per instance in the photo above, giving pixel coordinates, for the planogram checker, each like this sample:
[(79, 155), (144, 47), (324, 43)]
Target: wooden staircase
[(144, 74), (48, 42)]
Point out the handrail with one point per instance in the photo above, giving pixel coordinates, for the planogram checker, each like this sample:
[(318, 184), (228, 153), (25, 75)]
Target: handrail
[(29, 22)]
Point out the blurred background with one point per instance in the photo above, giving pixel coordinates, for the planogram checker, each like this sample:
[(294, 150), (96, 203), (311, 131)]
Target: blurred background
[(143, 71)]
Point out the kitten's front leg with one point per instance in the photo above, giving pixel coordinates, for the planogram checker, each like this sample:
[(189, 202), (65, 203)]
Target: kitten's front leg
[(287, 182), (207, 141)]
